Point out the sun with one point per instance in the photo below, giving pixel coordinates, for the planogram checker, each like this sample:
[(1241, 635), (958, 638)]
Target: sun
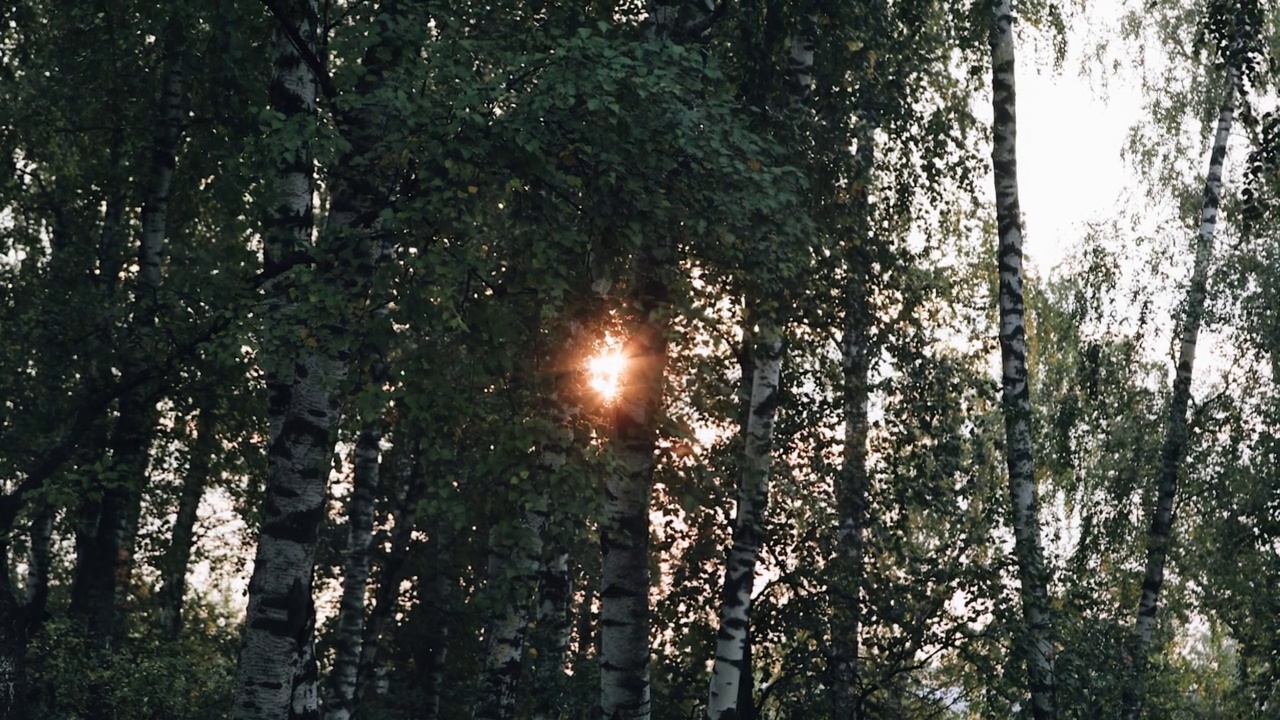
[(605, 371)]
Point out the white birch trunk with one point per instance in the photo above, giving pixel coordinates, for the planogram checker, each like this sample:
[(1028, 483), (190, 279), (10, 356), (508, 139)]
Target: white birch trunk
[(555, 632), (1036, 646), (624, 531), (39, 557), (275, 678), (1175, 439), (355, 576), (731, 677), (727, 678), (513, 576)]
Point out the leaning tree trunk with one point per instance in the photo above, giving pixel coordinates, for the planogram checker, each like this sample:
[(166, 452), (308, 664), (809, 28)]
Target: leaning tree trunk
[(731, 674), (174, 562), (1036, 646), (1175, 438)]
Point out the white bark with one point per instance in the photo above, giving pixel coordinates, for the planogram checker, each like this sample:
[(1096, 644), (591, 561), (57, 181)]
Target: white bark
[(513, 576), (1037, 647), (624, 531), (555, 633), (753, 491), (355, 576), (1175, 440), (275, 678)]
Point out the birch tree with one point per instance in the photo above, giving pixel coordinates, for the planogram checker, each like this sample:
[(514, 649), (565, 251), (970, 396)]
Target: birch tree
[(355, 576), (1176, 431), (274, 680), (624, 528), (1036, 645), (731, 675)]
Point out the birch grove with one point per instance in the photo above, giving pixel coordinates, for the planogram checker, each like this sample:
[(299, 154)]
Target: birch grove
[(638, 360)]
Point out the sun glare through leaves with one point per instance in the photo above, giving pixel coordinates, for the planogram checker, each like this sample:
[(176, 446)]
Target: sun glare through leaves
[(605, 370)]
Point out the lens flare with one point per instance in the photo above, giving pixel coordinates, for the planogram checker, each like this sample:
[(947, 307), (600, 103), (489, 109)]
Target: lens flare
[(605, 372)]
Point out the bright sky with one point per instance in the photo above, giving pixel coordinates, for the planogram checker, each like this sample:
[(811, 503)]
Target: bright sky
[(1069, 141)]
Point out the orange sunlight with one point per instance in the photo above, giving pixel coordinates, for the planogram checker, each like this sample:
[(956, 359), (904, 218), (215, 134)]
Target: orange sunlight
[(605, 370)]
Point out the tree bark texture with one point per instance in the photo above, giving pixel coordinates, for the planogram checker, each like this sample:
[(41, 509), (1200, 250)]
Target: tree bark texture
[(355, 575), (303, 399), (1175, 439), (731, 678), (276, 659), (512, 579), (554, 633), (13, 649), (624, 532), (1037, 643), (731, 671)]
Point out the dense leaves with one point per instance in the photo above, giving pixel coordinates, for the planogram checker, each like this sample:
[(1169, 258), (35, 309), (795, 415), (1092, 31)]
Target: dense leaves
[(492, 195)]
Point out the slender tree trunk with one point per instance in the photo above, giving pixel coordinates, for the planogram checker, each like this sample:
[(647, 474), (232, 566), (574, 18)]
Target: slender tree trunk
[(19, 620), (513, 576), (624, 532), (355, 576), (552, 638), (387, 591), (1175, 438), (550, 642), (177, 556), (730, 674), (272, 677), (731, 677), (517, 565), (438, 652), (13, 647), (39, 557), (1037, 644), (853, 479)]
